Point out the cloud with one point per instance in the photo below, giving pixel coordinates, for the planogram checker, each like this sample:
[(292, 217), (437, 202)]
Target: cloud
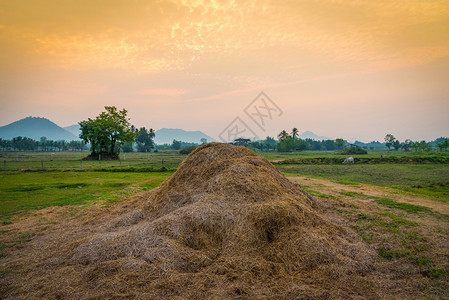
[(163, 92)]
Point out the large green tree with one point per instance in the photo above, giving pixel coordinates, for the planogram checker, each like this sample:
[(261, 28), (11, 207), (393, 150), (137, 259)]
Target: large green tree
[(107, 132)]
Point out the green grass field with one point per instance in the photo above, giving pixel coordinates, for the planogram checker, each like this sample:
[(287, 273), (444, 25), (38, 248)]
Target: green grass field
[(20, 192), (64, 161), (426, 179), (23, 186)]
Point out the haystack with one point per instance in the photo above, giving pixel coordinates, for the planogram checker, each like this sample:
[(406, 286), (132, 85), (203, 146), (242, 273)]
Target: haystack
[(227, 224)]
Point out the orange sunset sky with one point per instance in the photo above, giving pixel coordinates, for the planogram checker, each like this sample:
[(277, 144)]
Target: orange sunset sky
[(352, 69)]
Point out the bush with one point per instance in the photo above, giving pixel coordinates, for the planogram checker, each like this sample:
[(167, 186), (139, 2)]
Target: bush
[(187, 150), (353, 150)]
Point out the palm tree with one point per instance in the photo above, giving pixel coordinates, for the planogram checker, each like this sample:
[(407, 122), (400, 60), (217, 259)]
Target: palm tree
[(283, 135), (294, 133)]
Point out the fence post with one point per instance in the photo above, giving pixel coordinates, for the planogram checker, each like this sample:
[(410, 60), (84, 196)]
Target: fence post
[(42, 165), (81, 165), (148, 157), (120, 164), (124, 156), (99, 156)]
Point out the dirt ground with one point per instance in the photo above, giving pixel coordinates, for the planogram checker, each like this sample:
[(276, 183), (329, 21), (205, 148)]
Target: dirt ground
[(329, 187)]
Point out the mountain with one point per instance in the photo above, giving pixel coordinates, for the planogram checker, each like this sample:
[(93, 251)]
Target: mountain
[(74, 129), (35, 128), (313, 136), (166, 136)]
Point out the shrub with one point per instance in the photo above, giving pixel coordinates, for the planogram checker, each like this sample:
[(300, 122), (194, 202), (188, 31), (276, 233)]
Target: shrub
[(187, 150)]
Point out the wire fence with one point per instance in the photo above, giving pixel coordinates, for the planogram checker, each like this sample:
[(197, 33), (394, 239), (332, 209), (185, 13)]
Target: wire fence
[(73, 161)]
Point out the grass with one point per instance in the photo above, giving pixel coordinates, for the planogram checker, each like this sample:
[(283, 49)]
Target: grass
[(431, 156), (431, 180), (320, 195), (389, 231), (24, 191), (410, 208), (60, 161)]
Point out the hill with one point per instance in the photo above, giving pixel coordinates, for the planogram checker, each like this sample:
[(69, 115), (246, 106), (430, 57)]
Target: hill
[(313, 136), (35, 128), (73, 129), (167, 135)]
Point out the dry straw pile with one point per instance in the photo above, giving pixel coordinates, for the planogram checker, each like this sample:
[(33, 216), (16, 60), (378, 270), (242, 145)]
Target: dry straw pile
[(227, 224)]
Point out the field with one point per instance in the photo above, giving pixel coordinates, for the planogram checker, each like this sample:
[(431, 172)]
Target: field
[(400, 206)]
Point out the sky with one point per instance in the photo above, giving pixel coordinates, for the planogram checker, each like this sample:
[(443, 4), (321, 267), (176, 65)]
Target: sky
[(352, 69)]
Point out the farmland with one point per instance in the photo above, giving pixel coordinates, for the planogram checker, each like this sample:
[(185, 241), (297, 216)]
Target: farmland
[(25, 186), (399, 209)]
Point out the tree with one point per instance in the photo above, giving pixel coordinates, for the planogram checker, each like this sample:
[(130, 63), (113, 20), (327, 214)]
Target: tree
[(396, 145), (294, 133), (203, 141), (241, 142), (443, 145), (406, 145), (340, 143), (106, 131), (415, 146), (286, 144), (127, 147), (144, 139), (389, 140), (283, 135), (424, 146), (176, 145), (269, 143)]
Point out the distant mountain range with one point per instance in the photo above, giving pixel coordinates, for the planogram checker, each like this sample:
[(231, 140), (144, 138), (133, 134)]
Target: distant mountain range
[(35, 128), (74, 129), (166, 136), (313, 136)]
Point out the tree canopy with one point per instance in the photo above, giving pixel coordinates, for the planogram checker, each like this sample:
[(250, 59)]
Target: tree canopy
[(108, 130)]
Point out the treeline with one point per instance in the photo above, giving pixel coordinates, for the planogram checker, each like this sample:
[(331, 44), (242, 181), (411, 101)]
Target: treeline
[(288, 142), (143, 141), (25, 143), (392, 143)]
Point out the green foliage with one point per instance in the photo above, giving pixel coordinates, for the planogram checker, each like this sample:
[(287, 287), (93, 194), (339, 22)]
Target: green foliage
[(340, 143), (282, 135), (288, 144), (127, 147), (353, 150), (389, 140), (144, 139), (176, 145), (106, 131), (443, 145), (396, 145), (294, 133), (241, 142), (187, 150), (268, 144)]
